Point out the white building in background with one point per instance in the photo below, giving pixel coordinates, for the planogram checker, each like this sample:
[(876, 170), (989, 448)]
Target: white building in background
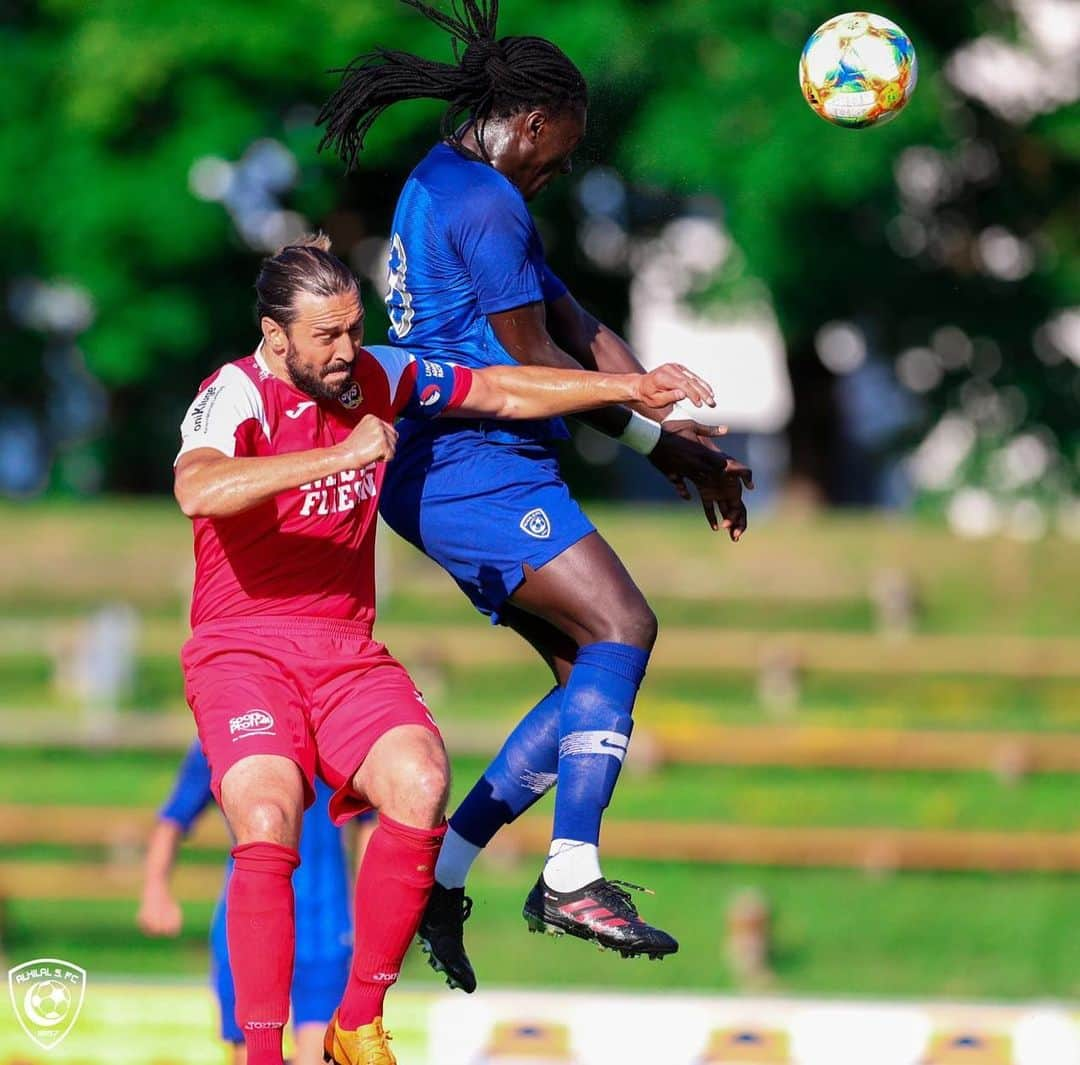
[(737, 347)]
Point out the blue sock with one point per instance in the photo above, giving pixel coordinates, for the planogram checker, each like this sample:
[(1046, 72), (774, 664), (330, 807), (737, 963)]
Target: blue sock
[(520, 774), (594, 732)]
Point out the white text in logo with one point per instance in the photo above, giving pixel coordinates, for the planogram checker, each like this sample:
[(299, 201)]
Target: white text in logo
[(253, 723)]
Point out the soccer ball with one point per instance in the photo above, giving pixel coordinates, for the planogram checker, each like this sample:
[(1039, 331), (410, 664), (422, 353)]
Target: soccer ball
[(858, 70), (50, 1001)]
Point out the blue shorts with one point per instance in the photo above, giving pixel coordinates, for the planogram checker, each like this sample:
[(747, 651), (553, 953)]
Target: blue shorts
[(482, 510), (317, 984)]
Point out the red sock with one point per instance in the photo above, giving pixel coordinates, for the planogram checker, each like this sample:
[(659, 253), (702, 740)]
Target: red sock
[(392, 890), (261, 932)]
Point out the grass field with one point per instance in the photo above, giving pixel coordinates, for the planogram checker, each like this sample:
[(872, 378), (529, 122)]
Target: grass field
[(158, 1023), (834, 931), (943, 934)]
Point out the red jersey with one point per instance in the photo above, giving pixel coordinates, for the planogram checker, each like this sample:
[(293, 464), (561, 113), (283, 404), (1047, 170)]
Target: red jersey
[(309, 552)]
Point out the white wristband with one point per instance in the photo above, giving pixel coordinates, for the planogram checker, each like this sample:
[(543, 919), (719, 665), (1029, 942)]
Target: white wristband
[(641, 433)]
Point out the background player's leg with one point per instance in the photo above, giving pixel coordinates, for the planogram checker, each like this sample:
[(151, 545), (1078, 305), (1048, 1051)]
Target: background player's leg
[(406, 776), (587, 594), (221, 980), (309, 1043), (525, 768), (262, 798), (319, 981)]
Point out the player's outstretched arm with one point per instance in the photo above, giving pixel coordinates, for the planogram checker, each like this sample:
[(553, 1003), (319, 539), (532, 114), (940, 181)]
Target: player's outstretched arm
[(545, 392), (210, 484)]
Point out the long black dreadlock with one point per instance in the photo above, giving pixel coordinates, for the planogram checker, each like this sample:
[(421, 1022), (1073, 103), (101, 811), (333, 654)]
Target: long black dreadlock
[(492, 78)]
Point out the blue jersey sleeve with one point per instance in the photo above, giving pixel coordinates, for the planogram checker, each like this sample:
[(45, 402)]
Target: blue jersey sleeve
[(498, 242), (191, 792), (553, 287)]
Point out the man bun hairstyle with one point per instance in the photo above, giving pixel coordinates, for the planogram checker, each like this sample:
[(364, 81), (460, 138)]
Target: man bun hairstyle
[(304, 265), (491, 78)]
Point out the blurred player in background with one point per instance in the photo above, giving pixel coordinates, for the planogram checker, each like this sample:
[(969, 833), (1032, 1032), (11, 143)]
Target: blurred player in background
[(487, 501), (323, 918), (282, 459)]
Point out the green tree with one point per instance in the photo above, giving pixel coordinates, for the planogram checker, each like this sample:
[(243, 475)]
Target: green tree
[(110, 106)]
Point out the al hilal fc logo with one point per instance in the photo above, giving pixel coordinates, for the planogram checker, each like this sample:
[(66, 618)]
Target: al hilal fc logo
[(536, 524), (47, 995)]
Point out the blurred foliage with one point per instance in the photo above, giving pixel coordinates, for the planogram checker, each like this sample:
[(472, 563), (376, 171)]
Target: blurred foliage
[(109, 106)]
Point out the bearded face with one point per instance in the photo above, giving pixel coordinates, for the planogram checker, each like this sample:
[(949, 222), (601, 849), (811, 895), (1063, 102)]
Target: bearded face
[(320, 382)]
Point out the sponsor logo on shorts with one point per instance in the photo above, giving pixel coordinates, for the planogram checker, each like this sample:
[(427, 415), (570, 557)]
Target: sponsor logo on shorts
[(536, 524), (253, 723), (430, 396), (352, 397)]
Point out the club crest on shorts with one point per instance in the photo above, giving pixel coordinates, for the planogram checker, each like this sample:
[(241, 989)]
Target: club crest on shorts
[(352, 397), (47, 995), (253, 723), (536, 524)]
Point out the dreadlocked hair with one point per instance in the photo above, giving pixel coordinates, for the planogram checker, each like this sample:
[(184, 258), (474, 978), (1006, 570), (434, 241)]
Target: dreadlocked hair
[(491, 79)]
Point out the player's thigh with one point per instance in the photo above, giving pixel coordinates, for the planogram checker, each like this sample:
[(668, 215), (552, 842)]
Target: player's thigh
[(406, 776), (587, 593), (253, 729), (262, 798), (378, 743), (557, 649)]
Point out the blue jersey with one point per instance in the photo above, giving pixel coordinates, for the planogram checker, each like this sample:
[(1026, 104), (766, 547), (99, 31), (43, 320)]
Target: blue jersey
[(321, 883), (464, 246)]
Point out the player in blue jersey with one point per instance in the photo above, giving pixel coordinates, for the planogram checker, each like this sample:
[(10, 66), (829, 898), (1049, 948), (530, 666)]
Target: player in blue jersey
[(468, 279), (323, 919)]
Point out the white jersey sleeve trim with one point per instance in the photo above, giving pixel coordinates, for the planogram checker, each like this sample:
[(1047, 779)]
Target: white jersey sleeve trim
[(394, 363), (219, 410)]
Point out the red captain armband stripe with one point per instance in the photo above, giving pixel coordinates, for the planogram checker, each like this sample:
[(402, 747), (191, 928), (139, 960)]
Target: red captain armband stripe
[(462, 383)]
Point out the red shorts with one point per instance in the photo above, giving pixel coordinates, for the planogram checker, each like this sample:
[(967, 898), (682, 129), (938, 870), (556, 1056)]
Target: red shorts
[(317, 691)]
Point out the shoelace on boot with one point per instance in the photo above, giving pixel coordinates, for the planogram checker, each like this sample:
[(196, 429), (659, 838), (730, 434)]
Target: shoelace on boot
[(615, 888)]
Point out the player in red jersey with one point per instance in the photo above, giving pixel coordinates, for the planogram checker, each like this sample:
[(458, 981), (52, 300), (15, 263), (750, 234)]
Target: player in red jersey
[(280, 469)]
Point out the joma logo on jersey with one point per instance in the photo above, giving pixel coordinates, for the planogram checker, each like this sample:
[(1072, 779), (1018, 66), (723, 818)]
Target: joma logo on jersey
[(339, 493), (536, 524), (253, 723)]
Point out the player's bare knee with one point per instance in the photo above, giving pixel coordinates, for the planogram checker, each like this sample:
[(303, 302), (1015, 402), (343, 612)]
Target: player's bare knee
[(268, 820), (420, 790), (430, 781), (633, 623)]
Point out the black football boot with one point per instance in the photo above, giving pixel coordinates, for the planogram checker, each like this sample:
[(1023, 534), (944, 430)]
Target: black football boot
[(440, 932), (600, 912)]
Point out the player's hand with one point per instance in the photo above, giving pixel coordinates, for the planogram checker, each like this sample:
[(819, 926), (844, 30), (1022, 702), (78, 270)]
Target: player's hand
[(684, 454), (372, 440), (670, 384), (160, 915)]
